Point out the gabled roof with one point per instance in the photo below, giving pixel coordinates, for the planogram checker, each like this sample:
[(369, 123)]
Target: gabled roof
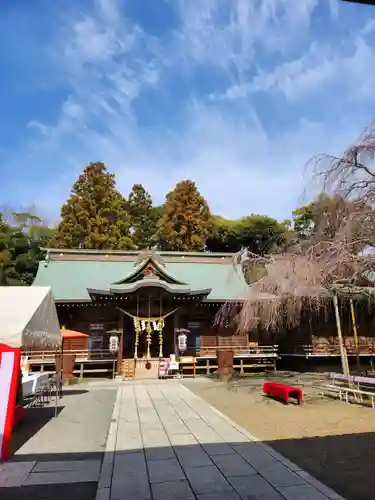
[(149, 262), (73, 273)]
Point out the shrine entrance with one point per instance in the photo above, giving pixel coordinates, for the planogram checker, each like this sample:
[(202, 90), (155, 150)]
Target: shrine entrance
[(149, 301), (147, 336)]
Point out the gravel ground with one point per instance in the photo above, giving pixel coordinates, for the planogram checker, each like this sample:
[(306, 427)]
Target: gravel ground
[(78, 433), (332, 440)]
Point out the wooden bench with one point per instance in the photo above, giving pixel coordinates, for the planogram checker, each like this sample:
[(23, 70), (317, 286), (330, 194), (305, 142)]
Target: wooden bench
[(188, 363), (282, 391)]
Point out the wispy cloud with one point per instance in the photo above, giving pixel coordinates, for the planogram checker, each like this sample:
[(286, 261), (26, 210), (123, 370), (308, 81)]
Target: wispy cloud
[(235, 95)]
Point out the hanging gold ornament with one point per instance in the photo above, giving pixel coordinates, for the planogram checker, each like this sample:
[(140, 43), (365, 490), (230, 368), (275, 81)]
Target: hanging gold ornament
[(148, 331), (137, 328)]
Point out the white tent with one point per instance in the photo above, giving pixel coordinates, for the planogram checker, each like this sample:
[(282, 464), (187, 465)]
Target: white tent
[(28, 317)]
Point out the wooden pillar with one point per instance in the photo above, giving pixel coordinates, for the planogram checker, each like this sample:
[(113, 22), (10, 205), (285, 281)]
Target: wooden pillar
[(120, 343), (161, 340), (148, 343), (344, 357), (176, 326), (355, 334)]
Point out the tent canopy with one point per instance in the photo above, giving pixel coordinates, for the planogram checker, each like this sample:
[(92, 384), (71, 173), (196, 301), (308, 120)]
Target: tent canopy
[(72, 334), (28, 317)]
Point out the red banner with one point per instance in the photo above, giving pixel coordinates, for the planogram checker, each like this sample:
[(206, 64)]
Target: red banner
[(9, 378)]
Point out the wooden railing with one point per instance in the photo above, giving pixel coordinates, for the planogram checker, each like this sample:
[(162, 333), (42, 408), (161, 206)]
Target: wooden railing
[(266, 351), (236, 343), (327, 350), (251, 357), (87, 362), (334, 350), (81, 355), (98, 355)]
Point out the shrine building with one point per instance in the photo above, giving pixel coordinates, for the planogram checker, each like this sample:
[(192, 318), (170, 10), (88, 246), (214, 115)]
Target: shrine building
[(145, 298)]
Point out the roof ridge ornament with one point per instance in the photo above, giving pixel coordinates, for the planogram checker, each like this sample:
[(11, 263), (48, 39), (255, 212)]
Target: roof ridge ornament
[(149, 253)]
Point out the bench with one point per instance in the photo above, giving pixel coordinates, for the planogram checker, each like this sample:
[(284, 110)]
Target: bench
[(365, 386), (341, 391), (188, 363), (358, 386), (341, 385), (282, 391), (340, 377)]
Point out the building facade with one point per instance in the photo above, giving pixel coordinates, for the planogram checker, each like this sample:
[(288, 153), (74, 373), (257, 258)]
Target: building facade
[(145, 298)]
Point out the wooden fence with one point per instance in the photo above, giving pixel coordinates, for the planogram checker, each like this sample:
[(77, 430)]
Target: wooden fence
[(86, 363), (211, 343), (266, 351), (80, 354)]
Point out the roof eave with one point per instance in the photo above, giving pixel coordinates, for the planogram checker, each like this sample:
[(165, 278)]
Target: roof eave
[(73, 301), (223, 301), (135, 252), (97, 291), (133, 287)]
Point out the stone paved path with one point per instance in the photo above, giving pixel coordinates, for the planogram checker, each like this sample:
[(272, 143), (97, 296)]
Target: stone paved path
[(60, 458), (166, 443)]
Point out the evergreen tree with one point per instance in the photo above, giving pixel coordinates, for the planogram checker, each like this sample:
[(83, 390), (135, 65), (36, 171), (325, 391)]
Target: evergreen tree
[(21, 244), (185, 220), (142, 216), (259, 233), (95, 215), (5, 255)]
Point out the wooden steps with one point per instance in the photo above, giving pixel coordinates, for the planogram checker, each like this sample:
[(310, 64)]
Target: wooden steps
[(128, 369)]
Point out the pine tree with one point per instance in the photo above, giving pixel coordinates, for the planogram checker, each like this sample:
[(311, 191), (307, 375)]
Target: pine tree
[(95, 215), (142, 216), (5, 255), (185, 221)]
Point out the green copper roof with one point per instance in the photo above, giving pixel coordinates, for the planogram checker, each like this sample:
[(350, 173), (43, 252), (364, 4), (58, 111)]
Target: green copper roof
[(70, 279)]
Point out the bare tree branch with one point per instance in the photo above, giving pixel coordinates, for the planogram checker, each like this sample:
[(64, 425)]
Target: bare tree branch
[(283, 286)]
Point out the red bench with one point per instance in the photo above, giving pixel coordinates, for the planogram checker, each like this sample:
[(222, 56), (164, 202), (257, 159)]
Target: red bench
[(282, 391)]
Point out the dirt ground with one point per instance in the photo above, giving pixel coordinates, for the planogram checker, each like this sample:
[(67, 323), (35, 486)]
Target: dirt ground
[(332, 440)]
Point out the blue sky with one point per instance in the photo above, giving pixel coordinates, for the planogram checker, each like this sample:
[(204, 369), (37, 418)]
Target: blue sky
[(236, 95)]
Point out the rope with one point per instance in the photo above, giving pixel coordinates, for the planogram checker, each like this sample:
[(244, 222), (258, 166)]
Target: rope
[(147, 319)]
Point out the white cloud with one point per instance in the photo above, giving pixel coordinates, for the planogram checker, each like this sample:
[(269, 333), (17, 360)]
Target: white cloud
[(221, 136), (321, 66), (227, 34)]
